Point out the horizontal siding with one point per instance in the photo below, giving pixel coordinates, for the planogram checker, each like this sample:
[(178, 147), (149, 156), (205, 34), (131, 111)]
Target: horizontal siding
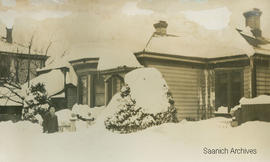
[(183, 83), (247, 82), (262, 80)]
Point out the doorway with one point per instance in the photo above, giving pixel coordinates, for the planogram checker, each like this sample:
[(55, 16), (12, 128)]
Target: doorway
[(228, 88)]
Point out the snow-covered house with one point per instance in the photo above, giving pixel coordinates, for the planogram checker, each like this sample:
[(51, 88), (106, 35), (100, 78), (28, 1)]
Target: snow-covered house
[(90, 76), (210, 69), (15, 60)]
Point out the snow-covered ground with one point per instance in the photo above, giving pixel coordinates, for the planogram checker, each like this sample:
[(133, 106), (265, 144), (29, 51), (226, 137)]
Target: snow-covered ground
[(184, 141)]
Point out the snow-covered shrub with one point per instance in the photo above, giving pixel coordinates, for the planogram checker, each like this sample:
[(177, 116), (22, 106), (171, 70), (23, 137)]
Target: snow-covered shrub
[(36, 102), (82, 112), (143, 102)]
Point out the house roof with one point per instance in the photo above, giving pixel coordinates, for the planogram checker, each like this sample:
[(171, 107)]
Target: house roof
[(108, 56), (20, 50), (260, 44), (53, 81), (211, 44)]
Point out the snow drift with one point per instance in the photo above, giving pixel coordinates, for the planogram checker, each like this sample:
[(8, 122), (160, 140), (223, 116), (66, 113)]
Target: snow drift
[(156, 144), (262, 99)]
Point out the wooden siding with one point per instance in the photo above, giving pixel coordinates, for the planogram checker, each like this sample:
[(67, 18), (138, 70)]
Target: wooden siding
[(184, 83), (262, 80), (247, 82)]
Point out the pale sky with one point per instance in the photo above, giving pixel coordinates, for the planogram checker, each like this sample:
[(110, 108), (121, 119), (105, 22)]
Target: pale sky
[(127, 23)]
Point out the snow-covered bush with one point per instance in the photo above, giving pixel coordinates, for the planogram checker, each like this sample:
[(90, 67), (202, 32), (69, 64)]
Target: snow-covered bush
[(82, 112), (143, 102), (36, 102)]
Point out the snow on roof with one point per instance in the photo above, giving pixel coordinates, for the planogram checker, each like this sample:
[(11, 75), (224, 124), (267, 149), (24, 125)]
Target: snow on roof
[(5, 94), (204, 43), (53, 81), (263, 49), (247, 31), (262, 46), (262, 99), (15, 47), (71, 77), (61, 95), (110, 56)]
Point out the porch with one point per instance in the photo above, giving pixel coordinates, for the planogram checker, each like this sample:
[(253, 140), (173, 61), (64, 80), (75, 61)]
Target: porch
[(97, 89)]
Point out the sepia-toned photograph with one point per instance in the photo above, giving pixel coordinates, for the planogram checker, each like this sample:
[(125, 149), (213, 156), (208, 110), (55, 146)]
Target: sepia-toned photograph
[(134, 80)]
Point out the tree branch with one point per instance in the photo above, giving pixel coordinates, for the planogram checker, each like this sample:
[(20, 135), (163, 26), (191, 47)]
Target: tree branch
[(9, 98), (47, 49), (11, 90)]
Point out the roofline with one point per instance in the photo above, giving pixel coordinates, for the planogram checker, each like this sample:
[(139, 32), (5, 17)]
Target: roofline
[(117, 70), (25, 55), (50, 69), (84, 60), (228, 58), (143, 54), (261, 54)]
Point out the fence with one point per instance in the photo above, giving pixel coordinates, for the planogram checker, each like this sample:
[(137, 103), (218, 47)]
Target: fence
[(254, 112)]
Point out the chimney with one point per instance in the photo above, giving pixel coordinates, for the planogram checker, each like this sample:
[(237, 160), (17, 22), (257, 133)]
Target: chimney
[(161, 28), (253, 21), (9, 35)]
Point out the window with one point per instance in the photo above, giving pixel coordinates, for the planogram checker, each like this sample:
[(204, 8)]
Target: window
[(84, 90), (99, 91)]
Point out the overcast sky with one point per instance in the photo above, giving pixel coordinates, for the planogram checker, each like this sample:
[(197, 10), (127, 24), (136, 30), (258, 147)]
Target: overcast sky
[(128, 24)]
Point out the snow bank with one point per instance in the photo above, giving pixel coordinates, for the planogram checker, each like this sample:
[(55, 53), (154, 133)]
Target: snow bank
[(262, 99), (156, 144), (149, 89), (222, 110), (186, 137), (97, 112), (20, 127), (64, 116), (113, 106), (82, 110), (39, 119), (86, 112)]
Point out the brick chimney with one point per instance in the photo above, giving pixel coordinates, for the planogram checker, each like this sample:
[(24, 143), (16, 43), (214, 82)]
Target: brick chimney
[(9, 35), (161, 28), (253, 21)]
